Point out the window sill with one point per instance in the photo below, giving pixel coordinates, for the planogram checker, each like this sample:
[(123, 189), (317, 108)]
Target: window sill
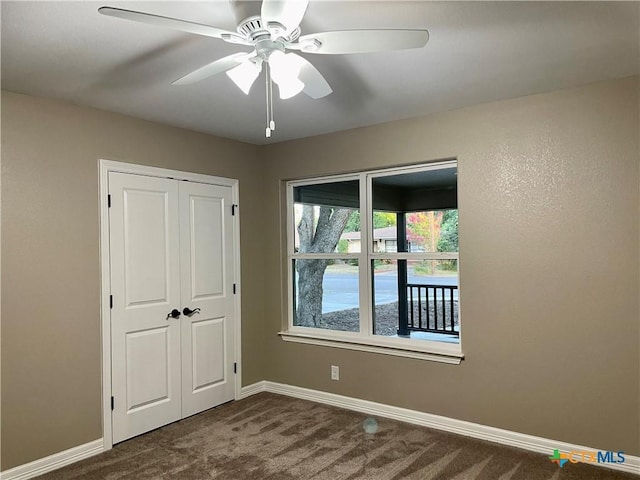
[(431, 351)]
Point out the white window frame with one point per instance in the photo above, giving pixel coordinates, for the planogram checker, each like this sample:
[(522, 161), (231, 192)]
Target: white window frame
[(364, 340)]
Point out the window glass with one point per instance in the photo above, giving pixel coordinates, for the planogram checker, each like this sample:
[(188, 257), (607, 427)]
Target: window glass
[(415, 203), (327, 217), (327, 221), (429, 304), (326, 294)]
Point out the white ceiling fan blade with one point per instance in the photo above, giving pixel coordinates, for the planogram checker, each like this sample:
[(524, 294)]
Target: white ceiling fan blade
[(315, 85), (176, 24), (287, 13), (221, 65), (362, 41)]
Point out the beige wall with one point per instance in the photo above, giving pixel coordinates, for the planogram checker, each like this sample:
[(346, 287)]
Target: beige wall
[(549, 258), (548, 205), (51, 383)]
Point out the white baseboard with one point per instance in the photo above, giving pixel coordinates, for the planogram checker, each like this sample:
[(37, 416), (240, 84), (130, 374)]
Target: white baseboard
[(253, 389), (460, 427), (53, 462)]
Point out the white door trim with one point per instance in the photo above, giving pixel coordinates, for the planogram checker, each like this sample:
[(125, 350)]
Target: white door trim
[(107, 166)]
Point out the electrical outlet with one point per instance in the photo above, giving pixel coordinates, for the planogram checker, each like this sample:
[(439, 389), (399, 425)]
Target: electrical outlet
[(335, 372)]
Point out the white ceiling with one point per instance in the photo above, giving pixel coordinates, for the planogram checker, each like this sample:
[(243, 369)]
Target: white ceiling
[(478, 52)]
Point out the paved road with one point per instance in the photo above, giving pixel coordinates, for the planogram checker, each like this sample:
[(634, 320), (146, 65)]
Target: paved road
[(341, 289)]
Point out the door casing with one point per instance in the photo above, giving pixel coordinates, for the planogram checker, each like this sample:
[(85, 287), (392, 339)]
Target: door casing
[(106, 166)]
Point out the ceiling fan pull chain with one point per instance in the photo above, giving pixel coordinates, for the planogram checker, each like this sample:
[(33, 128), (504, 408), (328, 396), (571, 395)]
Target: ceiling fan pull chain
[(272, 122), (266, 84), (269, 93)]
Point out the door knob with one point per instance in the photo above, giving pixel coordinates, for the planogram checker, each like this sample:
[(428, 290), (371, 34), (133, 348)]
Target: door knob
[(188, 312), (175, 313)]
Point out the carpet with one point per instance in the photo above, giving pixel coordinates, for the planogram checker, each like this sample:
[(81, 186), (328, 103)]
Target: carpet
[(269, 436)]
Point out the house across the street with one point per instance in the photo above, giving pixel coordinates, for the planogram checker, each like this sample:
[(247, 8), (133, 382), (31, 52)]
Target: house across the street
[(385, 240)]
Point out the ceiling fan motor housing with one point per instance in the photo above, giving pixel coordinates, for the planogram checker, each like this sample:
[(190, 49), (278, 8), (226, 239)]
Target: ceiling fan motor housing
[(244, 9), (252, 27)]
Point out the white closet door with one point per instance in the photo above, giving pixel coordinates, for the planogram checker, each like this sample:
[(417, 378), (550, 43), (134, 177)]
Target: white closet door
[(207, 266), (145, 285)]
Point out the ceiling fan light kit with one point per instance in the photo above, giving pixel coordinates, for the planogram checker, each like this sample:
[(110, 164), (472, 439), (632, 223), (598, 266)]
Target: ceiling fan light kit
[(244, 75), (271, 33), (285, 70)]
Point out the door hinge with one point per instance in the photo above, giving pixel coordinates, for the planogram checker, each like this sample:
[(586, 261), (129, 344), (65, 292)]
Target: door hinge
[(112, 403), (235, 368), (109, 201), (234, 288), (233, 209), (110, 301)]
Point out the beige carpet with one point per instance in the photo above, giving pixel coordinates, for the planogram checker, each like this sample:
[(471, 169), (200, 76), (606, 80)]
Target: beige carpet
[(269, 436)]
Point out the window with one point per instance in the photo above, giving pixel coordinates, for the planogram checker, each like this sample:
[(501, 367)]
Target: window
[(373, 262), (390, 245)]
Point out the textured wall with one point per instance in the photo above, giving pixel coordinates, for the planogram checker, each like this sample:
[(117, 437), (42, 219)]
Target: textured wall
[(549, 263), (51, 356), (548, 205)]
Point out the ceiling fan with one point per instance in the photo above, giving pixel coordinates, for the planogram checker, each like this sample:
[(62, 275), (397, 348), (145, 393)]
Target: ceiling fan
[(270, 31)]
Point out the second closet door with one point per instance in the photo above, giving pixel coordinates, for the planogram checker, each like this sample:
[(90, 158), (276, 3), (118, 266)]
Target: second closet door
[(206, 262)]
